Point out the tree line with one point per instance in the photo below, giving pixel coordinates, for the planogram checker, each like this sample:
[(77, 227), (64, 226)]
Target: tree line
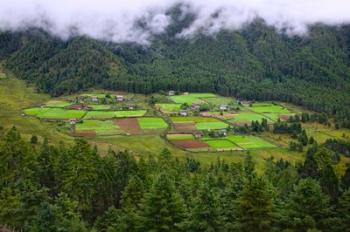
[(72, 188)]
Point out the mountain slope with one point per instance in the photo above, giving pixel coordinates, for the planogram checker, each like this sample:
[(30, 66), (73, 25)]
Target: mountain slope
[(254, 63)]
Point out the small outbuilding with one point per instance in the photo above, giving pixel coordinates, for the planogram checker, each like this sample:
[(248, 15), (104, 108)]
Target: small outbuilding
[(94, 98), (120, 98), (183, 112), (223, 107), (171, 93)]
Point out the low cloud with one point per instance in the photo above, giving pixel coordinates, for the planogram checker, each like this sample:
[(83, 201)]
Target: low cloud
[(138, 20)]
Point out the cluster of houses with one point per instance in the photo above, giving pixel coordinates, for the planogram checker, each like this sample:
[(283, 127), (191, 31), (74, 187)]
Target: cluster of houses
[(118, 98)]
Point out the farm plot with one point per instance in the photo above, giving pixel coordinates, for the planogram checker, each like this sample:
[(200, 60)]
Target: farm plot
[(246, 117), (173, 137), (250, 142), (97, 127), (191, 98), (197, 123), (221, 144), (114, 114), (169, 107), (269, 108), (191, 144), (57, 104), (152, 123), (129, 125), (100, 107), (55, 113), (218, 100)]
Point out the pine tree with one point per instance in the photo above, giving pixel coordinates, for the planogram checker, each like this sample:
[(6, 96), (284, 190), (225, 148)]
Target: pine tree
[(255, 207), (329, 183), (308, 206), (162, 208), (131, 200)]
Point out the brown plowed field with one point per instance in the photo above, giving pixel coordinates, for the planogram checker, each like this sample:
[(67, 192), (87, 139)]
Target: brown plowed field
[(87, 133), (185, 127), (129, 125), (190, 144)]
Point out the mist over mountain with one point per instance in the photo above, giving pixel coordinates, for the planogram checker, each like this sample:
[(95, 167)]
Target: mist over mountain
[(138, 21), (259, 50)]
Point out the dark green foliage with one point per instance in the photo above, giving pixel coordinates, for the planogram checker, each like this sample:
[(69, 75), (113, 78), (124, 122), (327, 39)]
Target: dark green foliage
[(72, 188)]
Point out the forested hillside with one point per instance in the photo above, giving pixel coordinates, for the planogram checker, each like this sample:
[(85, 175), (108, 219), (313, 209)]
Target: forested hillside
[(256, 62), (72, 188)]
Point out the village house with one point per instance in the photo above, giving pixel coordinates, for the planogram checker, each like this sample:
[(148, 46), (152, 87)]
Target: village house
[(223, 132), (131, 107), (183, 112), (94, 98), (120, 98), (186, 93), (197, 134), (223, 107), (195, 106), (171, 93)]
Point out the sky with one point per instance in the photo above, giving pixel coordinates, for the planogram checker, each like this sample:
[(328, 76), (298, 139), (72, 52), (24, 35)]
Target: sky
[(117, 20)]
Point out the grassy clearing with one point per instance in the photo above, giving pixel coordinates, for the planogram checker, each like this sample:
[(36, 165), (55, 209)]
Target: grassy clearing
[(57, 103), (180, 136), (58, 113), (2, 76), (250, 142), (247, 117), (220, 143), (211, 125), (169, 107), (191, 98), (268, 108), (218, 100), (152, 123), (114, 114), (100, 127), (15, 96), (322, 132)]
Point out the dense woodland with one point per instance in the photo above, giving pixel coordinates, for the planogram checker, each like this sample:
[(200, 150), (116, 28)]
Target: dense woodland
[(256, 62), (73, 188)]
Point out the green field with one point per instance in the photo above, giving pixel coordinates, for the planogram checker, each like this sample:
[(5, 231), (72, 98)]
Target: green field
[(268, 108), (193, 119), (2, 76), (211, 125), (54, 113), (191, 98), (58, 113), (180, 136), (57, 103), (35, 111), (152, 123), (247, 117), (100, 127), (169, 107), (250, 142), (220, 144), (100, 107), (114, 114)]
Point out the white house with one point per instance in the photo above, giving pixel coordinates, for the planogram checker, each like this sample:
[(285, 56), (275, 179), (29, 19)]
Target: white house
[(183, 113), (223, 107), (171, 93), (94, 98), (120, 98)]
